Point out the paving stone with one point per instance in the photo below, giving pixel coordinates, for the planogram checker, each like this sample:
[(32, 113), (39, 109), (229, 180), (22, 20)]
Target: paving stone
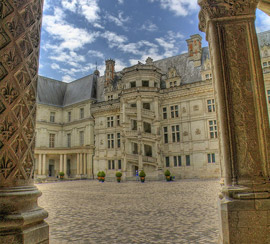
[(155, 212)]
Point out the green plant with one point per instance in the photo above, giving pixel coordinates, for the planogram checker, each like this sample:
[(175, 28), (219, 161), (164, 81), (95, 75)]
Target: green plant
[(61, 174), (102, 174), (118, 174), (142, 173), (167, 173), (98, 174)]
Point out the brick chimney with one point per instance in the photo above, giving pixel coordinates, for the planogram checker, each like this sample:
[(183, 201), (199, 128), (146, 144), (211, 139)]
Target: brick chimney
[(195, 49)]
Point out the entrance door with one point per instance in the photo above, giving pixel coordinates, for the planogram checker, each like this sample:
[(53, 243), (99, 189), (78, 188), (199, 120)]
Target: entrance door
[(51, 170), (68, 167), (136, 170)]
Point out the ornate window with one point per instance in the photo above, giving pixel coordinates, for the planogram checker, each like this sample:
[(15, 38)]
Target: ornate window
[(146, 106), (118, 140), (147, 127), (110, 121), (145, 83), (110, 97), (211, 105), (132, 84), (177, 161), (52, 140), (111, 164), (134, 124), (175, 133), (164, 112), (212, 128), (119, 164), (110, 138), (211, 158), (166, 135), (118, 120), (174, 111), (268, 96)]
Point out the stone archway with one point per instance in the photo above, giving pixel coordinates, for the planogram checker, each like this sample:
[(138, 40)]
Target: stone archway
[(244, 201)]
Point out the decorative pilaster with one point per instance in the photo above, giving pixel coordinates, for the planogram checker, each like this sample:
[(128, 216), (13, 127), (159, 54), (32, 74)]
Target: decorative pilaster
[(242, 118), (21, 219)]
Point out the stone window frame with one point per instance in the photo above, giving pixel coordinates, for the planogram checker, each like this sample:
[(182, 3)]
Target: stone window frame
[(69, 116), (118, 137), (134, 124), (188, 160), (118, 120), (81, 138), (145, 83), (119, 164), (174, 111), (175, 133), (212, 125), (177, 161), (52, 117), (147, 106), (68, 139), (81, 113), (167, 161), (111, 164), (110, 121), (51, 140), (268, 96), (211, 107), (132, 84), (165, 134), (164, 113), (211, 157), (110, 141)]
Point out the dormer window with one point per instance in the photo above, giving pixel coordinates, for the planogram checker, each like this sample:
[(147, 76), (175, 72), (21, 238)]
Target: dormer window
[(175, 83), (145, 83), (132, 84), (110, 97)]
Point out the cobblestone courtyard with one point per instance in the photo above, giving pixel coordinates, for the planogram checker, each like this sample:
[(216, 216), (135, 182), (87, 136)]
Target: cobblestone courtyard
[(131, 212)]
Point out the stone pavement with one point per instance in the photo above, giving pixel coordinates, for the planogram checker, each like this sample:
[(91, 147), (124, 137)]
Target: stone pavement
[(132, 212)]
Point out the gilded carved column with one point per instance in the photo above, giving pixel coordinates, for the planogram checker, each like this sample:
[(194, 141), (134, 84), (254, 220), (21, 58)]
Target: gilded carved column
[(22, 220), (242, 118)]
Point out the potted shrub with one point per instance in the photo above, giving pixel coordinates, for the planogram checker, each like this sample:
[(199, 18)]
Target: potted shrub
[(98, 176), (167, 174), (142, 175), (61, 175), (102, 176), (118, 176)]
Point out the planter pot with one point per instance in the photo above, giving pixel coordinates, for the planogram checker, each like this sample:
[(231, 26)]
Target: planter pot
[(99, 178), (61, 177), (118, 179), (102, 179), (142, 179), (168, 178)]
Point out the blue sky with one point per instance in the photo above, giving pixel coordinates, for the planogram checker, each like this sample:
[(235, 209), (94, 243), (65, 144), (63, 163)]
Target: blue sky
[(78, 33)]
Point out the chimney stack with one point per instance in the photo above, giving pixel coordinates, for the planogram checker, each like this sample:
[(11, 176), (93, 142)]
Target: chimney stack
[(195, 49)]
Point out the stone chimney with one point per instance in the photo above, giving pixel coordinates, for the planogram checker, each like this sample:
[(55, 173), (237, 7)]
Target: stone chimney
[(109, 72), (195, 49)]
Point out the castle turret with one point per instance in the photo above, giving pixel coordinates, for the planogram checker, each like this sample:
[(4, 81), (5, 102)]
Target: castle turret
[(109, 72), (195, 49)]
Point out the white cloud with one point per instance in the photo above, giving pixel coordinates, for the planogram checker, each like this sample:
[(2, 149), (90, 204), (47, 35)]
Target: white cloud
[(179, 7), (119, 65), (120, 1), (55, 66), (262, 22), (119, 20), (70, 37), (113, 39), (87, 8), (149, 26), (67, 78), (95, 53)]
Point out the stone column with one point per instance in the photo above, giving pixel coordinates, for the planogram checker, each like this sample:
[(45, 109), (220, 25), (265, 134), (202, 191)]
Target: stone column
[(65, 165), (22, 220), (242, 119), (44, 164), (61, 163), (81, 164), (84, 164), (89, 166), (78, 163), (39, 164)]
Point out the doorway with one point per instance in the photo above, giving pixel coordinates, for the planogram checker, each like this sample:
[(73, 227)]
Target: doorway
[(51, 167), (68, 167), (136, 171)]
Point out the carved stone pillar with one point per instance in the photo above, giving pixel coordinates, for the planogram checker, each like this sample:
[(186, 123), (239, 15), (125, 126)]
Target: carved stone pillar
[(242, 118), (21, 219)]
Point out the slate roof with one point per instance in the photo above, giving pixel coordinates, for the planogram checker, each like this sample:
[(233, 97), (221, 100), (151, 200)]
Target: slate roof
[(57, 93)]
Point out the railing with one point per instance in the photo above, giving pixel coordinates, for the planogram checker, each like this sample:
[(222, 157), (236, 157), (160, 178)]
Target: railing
[(149, 159)]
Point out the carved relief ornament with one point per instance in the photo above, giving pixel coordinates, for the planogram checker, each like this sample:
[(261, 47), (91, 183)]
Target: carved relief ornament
[(213, 9)]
